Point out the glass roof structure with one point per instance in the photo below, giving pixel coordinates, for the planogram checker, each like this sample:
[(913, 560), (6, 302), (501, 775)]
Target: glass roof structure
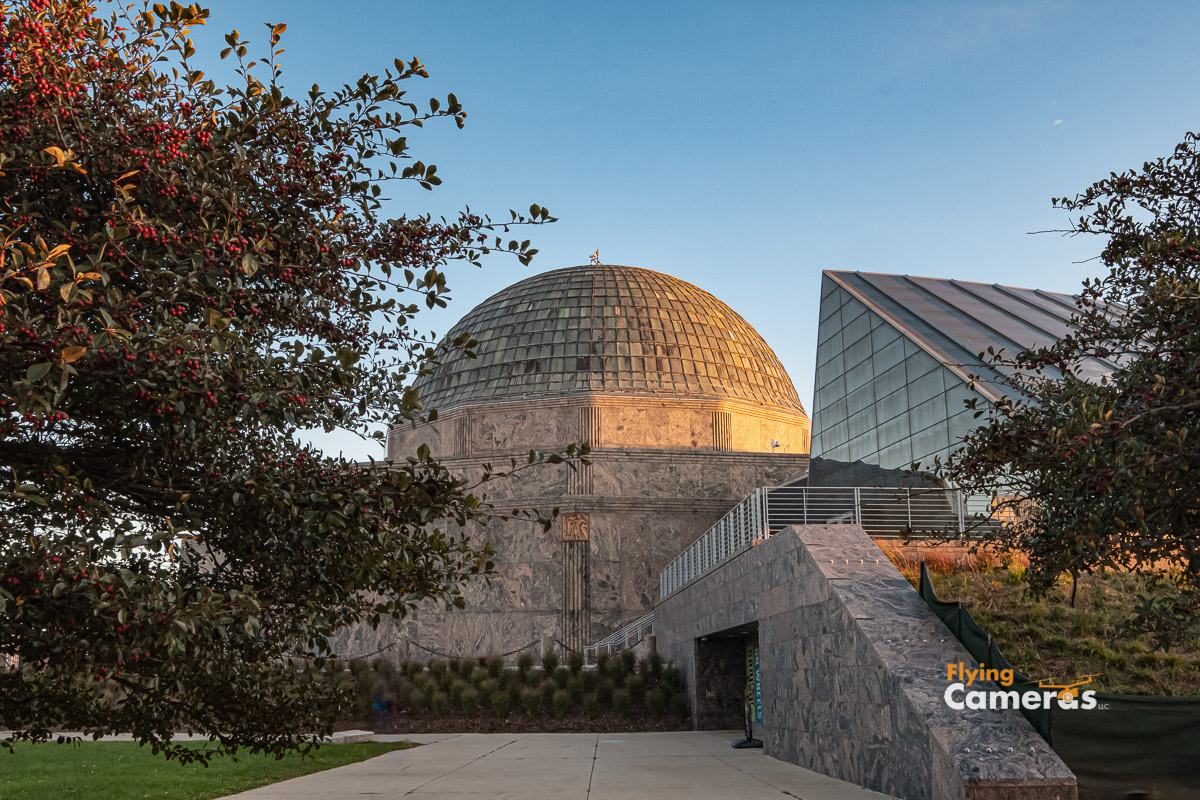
[(606, 329), (895, 355), (955, 321)]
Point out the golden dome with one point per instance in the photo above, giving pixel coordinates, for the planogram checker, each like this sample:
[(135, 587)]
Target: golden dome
[(610, 330)]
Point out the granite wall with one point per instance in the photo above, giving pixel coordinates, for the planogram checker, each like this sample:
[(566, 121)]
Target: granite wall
[(854, 670), (609, 421), (662, 471)]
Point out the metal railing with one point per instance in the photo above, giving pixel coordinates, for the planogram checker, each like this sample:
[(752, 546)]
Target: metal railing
[(732, 534), (622, 639), (934, 512)]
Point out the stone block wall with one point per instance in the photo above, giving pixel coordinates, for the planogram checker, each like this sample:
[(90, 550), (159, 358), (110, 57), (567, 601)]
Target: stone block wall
[(853, 672)]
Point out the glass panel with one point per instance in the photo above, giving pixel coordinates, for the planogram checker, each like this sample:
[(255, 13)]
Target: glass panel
[(857, 376), (892, 404), (894, 430), (930, 442), (883, 335), (860, 398), (857, 352), (896, 456), (829, 371), (858, 326), (862, 447), (888, 356), (928, 413), (926, 387), (890, 381)]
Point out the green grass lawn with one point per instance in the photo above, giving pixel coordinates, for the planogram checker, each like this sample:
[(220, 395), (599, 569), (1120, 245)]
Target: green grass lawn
[(124, 771)]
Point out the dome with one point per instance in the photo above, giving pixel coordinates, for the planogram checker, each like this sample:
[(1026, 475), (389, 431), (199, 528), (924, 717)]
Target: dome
[(607, 330)]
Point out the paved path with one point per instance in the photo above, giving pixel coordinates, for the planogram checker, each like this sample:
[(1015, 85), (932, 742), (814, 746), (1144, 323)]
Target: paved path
[(570, 766)]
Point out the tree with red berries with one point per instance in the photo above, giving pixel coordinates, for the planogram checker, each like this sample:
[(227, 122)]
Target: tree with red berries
[(1093, 458), (188, 275)]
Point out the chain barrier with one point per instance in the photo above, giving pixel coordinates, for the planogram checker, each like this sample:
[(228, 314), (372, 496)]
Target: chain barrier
[(375, 652), (459, 658), (566, 646), (431, 651)]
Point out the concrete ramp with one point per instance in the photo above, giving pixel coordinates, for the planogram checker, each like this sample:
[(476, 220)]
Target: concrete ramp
[(853, 673)]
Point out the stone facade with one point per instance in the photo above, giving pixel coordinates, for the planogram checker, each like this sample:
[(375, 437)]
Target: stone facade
[(622, 519), (685, 409), (853, 673), (655, 423)]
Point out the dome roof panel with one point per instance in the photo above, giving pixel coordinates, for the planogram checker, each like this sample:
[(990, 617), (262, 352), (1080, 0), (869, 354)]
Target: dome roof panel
[(612, 330)]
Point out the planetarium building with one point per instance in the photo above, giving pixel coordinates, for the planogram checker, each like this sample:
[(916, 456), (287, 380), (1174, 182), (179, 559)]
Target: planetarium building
[(685, 409)]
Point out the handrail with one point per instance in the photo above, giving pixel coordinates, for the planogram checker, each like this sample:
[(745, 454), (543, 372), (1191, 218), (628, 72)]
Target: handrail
[(881, 511), (625, 637)]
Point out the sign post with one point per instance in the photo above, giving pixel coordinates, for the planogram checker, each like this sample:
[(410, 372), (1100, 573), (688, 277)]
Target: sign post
[(753, 698)]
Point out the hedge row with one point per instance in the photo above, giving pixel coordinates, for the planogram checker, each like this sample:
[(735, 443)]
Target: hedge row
[(471, 688)]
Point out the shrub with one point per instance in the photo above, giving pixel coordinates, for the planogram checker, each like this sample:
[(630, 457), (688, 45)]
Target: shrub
[(657, 702), (602, 660), (547, 691), (561, 703), (457, 687), (495, 666), (418, 701), (575, 663), (549, 661), (604, 692), (466, 670), (437, 668), (628, 661), (672, 678), (655, 664), (575, 688), (501, 704), (589, 680), (621, 702), (561, 676), (468, 703), (381, 665), (531, 701), (480, 677), (487, 687), (591, 706), (643, 666), (525, 664), (439, 703), (370, 687), (411, 669), (636, 686)]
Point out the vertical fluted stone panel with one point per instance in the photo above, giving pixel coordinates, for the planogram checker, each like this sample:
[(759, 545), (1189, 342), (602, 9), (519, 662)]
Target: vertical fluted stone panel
[(462, 435), (722, 430), (589, 426), (579, 479), (576, 582)]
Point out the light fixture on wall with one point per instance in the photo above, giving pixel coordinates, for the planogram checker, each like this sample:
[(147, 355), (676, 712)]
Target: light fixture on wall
[(775, 443)]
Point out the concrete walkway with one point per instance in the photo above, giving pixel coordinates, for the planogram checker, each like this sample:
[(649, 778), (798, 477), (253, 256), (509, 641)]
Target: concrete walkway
[(571, 766)]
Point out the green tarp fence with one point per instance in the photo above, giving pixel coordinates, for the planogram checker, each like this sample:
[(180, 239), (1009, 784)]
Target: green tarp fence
[(1128, 747)]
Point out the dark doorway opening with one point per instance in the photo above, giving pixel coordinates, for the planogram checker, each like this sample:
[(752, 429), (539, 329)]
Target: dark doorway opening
[(721, 678)]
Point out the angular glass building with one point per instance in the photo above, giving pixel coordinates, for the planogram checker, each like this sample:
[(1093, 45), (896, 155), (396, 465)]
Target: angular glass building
[(895, 354)]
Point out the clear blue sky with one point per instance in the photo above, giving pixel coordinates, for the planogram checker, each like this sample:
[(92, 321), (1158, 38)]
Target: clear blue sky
[(744, 147)]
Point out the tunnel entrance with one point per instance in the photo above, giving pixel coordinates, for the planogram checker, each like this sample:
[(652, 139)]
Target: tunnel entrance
[(725, 678)]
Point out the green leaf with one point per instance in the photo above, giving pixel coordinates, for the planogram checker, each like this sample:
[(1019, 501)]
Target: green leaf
[(37, 371)]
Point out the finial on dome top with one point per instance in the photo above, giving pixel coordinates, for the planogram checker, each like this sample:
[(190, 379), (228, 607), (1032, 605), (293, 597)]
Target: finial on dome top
[(596, 257)]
